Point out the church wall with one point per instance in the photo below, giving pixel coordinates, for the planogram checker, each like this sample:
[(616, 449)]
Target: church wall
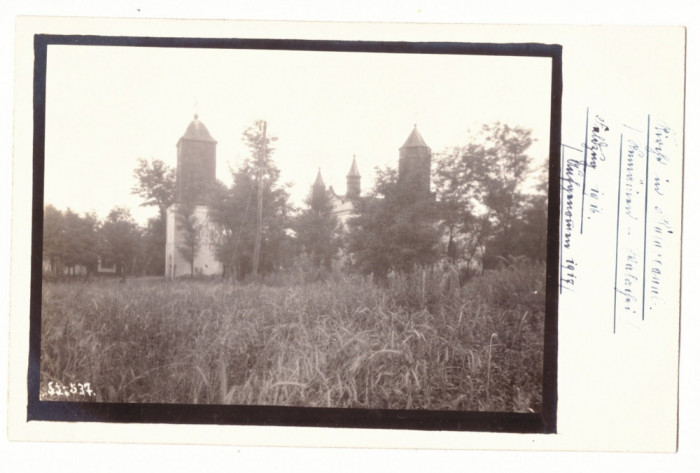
[(205, 262), (173, 261), (343, 210)]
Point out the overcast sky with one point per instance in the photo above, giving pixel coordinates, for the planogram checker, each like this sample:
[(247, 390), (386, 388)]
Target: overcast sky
[(108, 106)]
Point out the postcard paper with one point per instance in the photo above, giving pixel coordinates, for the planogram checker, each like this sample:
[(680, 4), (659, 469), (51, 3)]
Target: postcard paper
[(466, 237)]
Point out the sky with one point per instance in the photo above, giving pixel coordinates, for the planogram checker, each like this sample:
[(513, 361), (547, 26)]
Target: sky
[(107, 106)]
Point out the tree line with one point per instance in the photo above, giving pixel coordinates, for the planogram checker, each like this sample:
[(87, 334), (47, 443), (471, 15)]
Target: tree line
[(481, 213), (488, 204)]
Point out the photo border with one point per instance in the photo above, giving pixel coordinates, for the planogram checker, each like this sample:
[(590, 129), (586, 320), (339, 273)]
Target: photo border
[(543, 422)]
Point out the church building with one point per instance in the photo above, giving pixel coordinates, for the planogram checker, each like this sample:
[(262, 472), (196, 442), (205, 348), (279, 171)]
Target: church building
[(344, 205), (414, 176), (414, 179), (195, 177)]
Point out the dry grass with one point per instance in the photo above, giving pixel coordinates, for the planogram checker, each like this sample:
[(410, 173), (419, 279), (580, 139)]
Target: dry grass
[(339, 343)]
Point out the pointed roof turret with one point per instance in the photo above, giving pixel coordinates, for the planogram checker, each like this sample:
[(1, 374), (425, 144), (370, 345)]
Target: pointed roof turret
[(414, 140), (353, 169), (197, 131), (319, 180)]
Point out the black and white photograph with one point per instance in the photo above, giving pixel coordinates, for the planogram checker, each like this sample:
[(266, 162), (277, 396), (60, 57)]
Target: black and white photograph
[(336, 230)]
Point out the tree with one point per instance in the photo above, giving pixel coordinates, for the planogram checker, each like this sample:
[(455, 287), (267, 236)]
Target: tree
[(152, 247), (482, 197), (233, 211), (120, 240), (69, 240), (504, 169), (73, 233), (155, 184), (82, 238), (318, 231), (54, 238), (531, 228), (191, 230), (394, 229), (456, 184)]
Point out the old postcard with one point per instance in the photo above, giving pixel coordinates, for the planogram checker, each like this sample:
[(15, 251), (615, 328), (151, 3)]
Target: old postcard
[(350, 235)]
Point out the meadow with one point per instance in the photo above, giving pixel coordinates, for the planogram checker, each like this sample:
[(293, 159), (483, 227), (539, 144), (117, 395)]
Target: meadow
[(341, 342)]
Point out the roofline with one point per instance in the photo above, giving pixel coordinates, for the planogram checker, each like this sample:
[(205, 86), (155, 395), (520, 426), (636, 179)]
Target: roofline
[(193, 139)]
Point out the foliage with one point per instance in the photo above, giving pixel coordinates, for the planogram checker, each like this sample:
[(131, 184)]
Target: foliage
[(393, 230), (155, 184), (152, 252), (191, 229), (318, 231), (121, 240), (261, 151), (54, 239), (455, 180), (484, 206), (233, 212), (339, 343), (69, 239)]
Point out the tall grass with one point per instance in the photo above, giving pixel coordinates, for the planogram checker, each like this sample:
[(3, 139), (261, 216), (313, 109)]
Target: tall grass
[(337, 343)]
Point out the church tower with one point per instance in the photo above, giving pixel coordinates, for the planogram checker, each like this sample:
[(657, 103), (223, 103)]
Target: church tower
[(318, 191), (353, 181), (414, 164), (196, 176), (196, 164)]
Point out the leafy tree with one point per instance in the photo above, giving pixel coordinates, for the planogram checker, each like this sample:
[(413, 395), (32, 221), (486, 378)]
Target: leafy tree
[(504, 169), (69, 240), (152, 252), (318, 230), (456, 185), (54, 238), (485, 208), (73, 229), (393, 230), (529, 230), (155, 184), (253, 139), (120, 239), (233, 211), (191, 230), (83, 243)]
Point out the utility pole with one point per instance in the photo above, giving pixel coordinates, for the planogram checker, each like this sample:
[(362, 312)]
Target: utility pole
[(262, 152)]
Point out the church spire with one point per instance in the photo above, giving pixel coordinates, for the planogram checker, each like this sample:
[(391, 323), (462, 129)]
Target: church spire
[(318, 193), (353, 180), (319, 180), (353, 168), (414, 139)]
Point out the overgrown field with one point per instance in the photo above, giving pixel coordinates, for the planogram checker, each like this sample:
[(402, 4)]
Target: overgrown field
[(339, 343)]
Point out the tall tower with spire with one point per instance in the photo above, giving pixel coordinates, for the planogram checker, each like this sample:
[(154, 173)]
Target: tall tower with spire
[(353, 181), (343, 206), (318, 191), (196, 176), (196, 164), (414, 164)]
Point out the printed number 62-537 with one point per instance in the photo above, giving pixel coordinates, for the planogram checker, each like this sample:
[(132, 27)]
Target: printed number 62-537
[(79, 389)]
